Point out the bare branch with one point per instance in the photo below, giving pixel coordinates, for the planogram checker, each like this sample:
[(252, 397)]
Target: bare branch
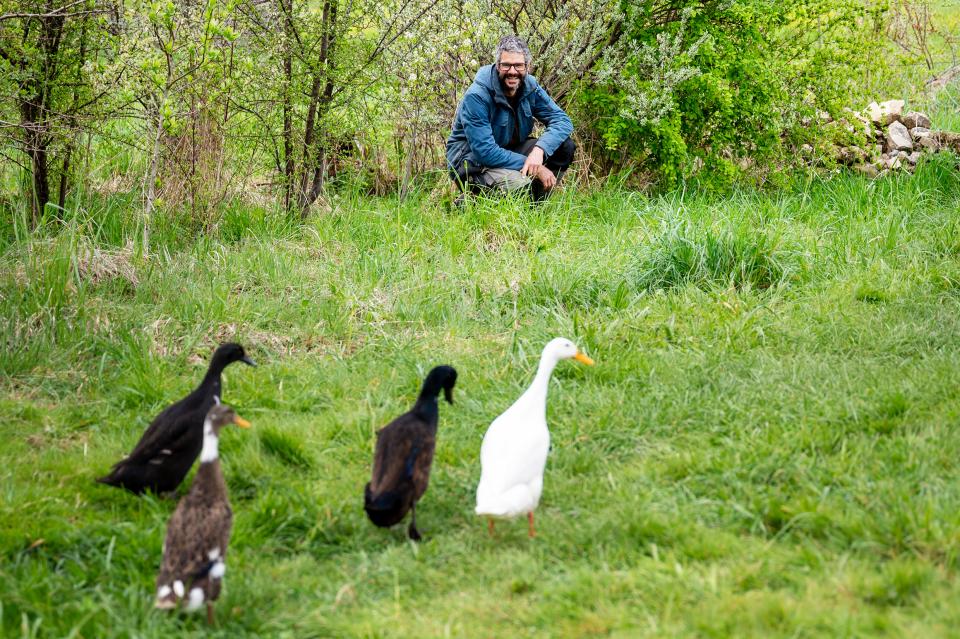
[(61, 12)]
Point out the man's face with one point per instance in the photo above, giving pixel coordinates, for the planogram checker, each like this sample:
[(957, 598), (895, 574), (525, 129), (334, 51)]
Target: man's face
[(512, 68)]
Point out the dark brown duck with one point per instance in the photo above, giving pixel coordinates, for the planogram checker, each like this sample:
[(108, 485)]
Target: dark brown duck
[(195, 548), (404, 454), (170, 445)]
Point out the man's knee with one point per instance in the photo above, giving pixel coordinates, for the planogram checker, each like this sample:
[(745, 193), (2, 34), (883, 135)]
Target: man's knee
[(564, 153), (505, 179), (468, 180)]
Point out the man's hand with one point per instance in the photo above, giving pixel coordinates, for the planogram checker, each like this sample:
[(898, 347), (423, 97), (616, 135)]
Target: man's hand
[(546, 177), (533, 163)]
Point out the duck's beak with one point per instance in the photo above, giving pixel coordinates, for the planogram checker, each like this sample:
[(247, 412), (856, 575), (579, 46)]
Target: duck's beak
[(448, 393), (583, 359), (249, 362), (241, 422)]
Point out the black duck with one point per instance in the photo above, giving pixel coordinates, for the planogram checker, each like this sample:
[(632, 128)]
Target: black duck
[(404, 453), (170, 445)]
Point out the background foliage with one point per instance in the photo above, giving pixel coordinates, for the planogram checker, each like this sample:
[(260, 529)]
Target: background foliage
[(189, 103)]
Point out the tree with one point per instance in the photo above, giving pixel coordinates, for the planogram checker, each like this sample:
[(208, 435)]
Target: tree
[(322, 60), (45, 88)]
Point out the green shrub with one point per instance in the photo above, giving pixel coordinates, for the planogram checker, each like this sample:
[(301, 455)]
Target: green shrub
[(724, 89)]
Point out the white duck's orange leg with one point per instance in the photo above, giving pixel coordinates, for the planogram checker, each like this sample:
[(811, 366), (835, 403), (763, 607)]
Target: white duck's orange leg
[(490, 526), (530, 531)]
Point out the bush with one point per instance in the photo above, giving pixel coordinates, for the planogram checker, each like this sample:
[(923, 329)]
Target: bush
[(718, 89)]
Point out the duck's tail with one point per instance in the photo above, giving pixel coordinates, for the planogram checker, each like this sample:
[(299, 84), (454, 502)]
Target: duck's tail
[(122, 477), (387, 508), (113, 478)]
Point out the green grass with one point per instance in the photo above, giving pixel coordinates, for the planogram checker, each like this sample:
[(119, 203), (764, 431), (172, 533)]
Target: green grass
[(766, 447)]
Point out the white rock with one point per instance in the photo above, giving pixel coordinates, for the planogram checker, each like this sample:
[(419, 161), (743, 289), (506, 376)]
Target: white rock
[(914, 119), (885, 112), (918, 132), (929, 142), (891, 110), (913, 158), (898, 137), (892, 162)]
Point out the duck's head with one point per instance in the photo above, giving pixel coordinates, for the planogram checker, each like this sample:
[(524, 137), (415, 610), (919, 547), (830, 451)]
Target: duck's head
[(222, 415), (440, 377), (229, 353), (562, 348)]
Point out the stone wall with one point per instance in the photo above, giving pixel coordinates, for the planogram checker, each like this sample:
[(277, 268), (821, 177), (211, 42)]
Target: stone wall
[(893, 140)]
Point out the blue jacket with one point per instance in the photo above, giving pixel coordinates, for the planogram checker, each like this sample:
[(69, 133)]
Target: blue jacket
[(485, 121)]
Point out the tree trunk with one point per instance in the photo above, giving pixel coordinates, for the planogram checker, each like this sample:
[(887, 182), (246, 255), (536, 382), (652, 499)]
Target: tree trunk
[(286, 6), (65, 177), (152, 175), (41, 177), (72, 119), (310, 187), (34, 113)]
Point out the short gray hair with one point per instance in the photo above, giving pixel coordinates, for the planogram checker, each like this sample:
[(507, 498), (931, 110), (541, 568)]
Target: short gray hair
[(513, 44)]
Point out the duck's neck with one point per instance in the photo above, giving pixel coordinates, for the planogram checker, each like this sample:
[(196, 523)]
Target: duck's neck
[(209, 483), (537, 392), (426, 407), (211, 444), (212, 378)]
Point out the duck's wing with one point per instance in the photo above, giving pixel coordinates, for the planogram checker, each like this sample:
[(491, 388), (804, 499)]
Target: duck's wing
[(404, 454), (170, 430), (197, 537), (420, 460), (514, 449)]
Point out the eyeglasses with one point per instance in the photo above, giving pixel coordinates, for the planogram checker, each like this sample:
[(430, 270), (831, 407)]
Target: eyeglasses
[(506, 66)]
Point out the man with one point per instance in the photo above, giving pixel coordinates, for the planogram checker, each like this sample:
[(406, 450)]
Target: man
[(490, 146)]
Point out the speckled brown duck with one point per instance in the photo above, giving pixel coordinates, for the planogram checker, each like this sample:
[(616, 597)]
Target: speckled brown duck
[(404, 454), (170, 445), (195, 548)]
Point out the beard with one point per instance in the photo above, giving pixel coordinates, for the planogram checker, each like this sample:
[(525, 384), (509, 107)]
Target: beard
[(511, 75)]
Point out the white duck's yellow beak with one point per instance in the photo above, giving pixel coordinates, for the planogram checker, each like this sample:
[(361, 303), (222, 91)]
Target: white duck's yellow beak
[(241, 422), (583, 359)]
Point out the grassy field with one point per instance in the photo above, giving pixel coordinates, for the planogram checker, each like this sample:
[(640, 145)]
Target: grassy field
[(766, 447)]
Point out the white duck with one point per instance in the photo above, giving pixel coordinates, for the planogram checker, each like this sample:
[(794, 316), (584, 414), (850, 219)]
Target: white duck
[(514, 450)]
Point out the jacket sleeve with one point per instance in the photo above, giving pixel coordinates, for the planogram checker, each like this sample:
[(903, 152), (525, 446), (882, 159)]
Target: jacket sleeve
[(475, 114), (559, 126)]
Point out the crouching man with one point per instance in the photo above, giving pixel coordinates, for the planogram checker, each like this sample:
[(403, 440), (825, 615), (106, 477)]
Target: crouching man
[(490, 146)]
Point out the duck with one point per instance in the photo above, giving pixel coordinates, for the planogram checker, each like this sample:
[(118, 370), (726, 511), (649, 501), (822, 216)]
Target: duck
[(171, 443), (404, 454), (514, 450), (195, 546)]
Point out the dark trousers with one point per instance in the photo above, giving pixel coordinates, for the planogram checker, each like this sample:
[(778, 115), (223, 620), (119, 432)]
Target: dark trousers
[(471, 176)]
